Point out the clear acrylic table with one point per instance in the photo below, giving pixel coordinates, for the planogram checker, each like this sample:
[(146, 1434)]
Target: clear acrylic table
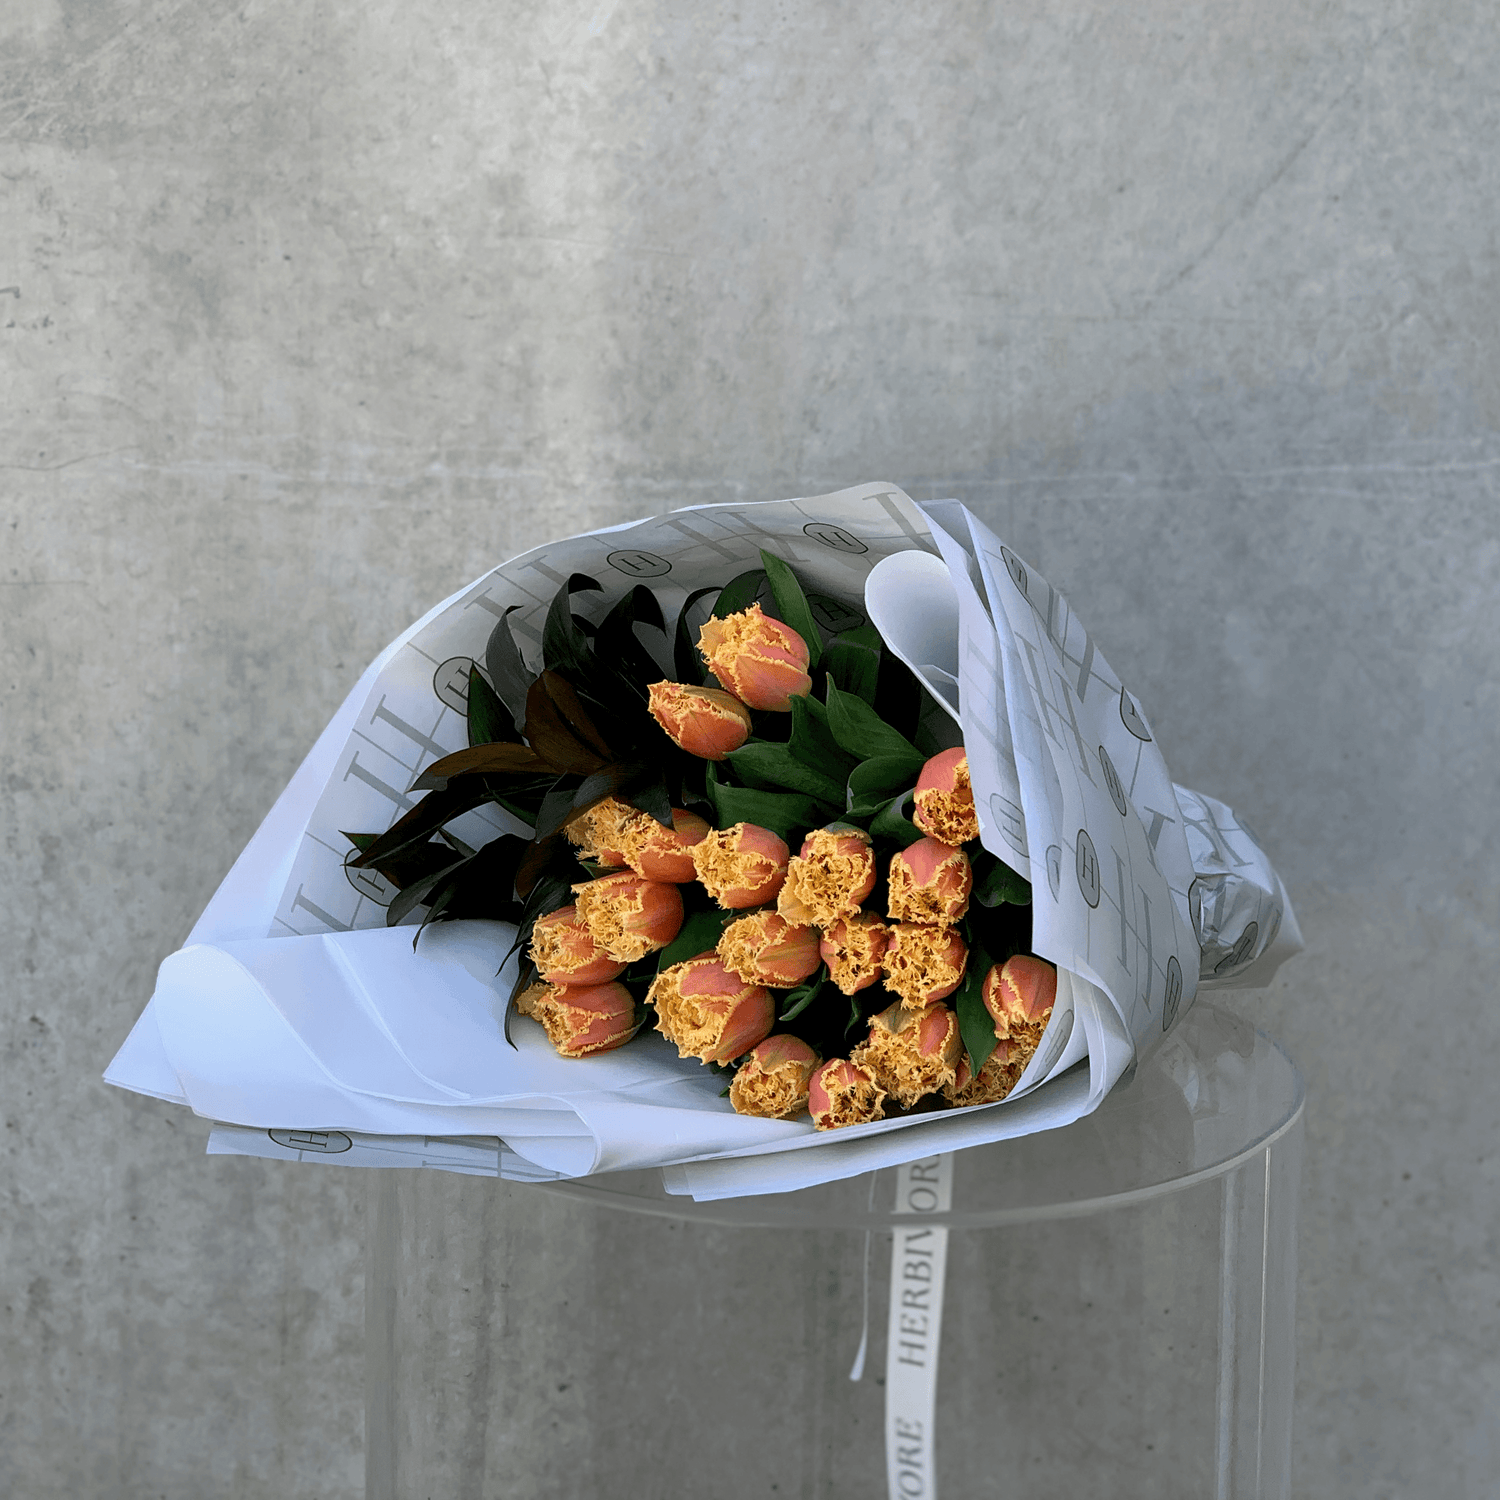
[(1124, 1326)]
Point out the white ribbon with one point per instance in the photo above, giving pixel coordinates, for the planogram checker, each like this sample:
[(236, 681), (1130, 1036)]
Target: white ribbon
[(918, 1263)]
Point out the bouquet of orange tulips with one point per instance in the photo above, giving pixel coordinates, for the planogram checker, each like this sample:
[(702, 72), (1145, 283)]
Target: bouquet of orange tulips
[(773, 858)]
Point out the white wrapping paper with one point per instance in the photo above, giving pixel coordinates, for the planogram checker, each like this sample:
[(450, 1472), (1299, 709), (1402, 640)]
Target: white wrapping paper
[(294, 1009)]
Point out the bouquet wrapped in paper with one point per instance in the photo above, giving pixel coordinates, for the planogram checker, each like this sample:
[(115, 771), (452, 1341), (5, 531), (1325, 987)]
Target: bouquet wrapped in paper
[(765, 844)]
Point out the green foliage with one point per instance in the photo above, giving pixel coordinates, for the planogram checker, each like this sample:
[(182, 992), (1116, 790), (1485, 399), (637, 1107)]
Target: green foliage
[(792, 605), (489, 720), (781, 767), (739, 593), (784, 813), (699, 934), (863, 733), (852, 661), (975, 1024), (996, 884)]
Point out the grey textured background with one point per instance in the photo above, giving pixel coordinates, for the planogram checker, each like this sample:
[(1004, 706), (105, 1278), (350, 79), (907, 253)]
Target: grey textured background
[(309, 314)]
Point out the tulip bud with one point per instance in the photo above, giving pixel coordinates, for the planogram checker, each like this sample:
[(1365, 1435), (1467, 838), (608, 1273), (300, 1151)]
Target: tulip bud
[(743, 865), (582, 1019), (763, 949), (564, 951), (706, 722), (944, 802), (629, 917), (923, 964), (1019, 995), (911, 1051), (708, 1012), (842, 1093), (598, 831), (854, 950), (832, 873), (996, 1078), (929, 882), (760, 660), (772, 1081), (659, 853)]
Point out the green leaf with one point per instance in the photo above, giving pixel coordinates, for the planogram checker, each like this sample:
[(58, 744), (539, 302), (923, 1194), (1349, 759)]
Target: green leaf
[(419, 824), (685, 658), (739, 593), (1001, 885), (507, 670), (617, 632), (489, 721), (494, 758), (794, 1002), (877, 780), (852, 660), (700, 933), (778, 765), (975, 1024), (812, 741), (784, 813), (564, 644), (792, 605), (891, 823), (418, 893), (863, 733)]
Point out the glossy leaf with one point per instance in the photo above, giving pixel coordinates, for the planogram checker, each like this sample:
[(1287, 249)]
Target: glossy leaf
[(414, 895), (863, 733), (796, 1001), (786, 814), (892, 823), (812, 741), (700, 933), (489, 720), (498, 759), (739, 593), (685, 658), (792, 605), (975, 1024), (1000, 885), (852, 660), (558, 741), (778, 765), (508, 672), (874, 782), (419, 824), (564, 643)]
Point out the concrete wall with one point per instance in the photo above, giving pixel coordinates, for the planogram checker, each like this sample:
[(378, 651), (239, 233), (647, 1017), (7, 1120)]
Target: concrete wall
[(309, 314)]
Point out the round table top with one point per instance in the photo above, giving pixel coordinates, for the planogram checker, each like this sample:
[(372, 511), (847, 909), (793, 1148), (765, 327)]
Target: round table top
[(1214, 1095)]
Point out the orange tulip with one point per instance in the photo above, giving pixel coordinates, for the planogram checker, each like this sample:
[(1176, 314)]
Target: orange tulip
[(760, 660), (582, 1019), (564, 951), (929, 882), (741, 866), (923, 964), (944, 801), (842, 1093), (911, 1051), (832, 873), (629, 917), (706, 722), (1001, 1070), (659, 853), (763, 949), (597, 832), (708, 1012), (1019, 995), (772, 1082), (854, 950)]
